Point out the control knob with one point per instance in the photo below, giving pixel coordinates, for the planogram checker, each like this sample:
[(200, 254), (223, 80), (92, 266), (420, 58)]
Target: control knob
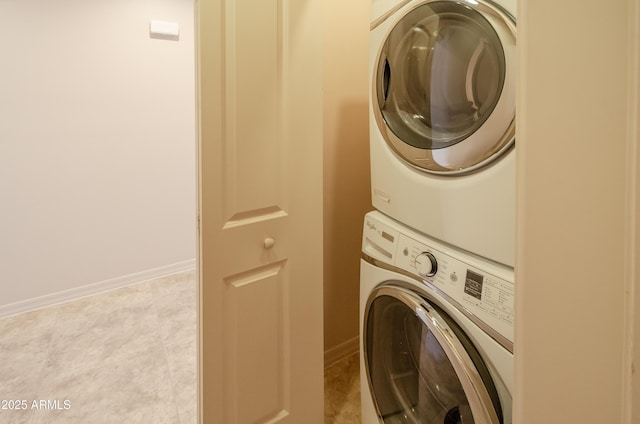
[(426, 264)]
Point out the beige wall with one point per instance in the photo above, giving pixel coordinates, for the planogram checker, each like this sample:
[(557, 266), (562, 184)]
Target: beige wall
[(634, 210), (346, 167), (576, 182)]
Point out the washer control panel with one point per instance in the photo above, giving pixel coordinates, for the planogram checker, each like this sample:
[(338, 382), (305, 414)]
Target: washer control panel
[(478, 286)]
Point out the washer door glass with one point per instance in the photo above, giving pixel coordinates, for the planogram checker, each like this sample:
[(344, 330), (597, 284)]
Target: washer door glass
[(440, 75), (414, 376)]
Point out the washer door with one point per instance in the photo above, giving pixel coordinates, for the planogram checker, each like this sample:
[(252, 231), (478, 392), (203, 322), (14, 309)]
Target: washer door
[(444, 86), (420, 365)]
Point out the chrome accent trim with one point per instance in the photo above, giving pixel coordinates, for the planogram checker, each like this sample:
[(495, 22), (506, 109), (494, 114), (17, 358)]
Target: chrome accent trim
[(386, 16), (499, 7), (491, 332), (482, 407)]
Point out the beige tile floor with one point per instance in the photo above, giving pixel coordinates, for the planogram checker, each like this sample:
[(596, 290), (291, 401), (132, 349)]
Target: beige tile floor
[(342, 391), (126, 356)]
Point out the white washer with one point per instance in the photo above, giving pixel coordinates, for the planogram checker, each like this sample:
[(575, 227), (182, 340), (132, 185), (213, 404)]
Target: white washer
[(442, 120), (436, 330)]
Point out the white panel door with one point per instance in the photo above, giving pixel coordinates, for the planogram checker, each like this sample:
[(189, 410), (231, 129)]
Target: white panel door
[(260, 206)]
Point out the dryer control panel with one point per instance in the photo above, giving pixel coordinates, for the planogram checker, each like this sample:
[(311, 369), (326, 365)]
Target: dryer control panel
[(474, 285)]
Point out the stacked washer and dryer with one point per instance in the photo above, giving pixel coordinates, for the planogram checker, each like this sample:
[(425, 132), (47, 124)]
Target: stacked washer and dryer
[(437, 280)]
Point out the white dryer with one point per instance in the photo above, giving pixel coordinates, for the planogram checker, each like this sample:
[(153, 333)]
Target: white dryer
[(442, 120), (436, 331)]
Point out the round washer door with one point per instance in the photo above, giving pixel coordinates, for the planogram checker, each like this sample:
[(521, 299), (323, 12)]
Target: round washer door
[(444, 86), (421, 367)]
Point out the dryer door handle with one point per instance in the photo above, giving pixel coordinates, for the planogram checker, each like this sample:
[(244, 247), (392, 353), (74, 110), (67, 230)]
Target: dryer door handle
[(386, 80)]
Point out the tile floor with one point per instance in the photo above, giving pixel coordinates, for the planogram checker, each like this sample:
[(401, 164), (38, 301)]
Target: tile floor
[(342, 391), (127, 355)]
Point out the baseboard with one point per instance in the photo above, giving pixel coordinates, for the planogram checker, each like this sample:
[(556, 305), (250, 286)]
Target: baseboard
[(95, 288), (341, 351)]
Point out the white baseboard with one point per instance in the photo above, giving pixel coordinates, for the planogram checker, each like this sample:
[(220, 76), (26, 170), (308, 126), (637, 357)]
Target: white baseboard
[(95, 288), (342, 350)]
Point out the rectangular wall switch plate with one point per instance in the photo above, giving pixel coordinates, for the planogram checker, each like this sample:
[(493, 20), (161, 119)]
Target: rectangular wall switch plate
[(164, 30)]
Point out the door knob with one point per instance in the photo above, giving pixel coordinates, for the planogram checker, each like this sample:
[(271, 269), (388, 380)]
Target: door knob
[(269, 242)]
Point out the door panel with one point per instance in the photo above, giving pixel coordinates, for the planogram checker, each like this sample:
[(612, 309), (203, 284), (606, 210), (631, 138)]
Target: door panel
[(253, 56), (256, 313), (260, 194)]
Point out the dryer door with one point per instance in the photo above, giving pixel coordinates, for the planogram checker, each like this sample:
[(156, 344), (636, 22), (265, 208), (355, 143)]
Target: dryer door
[(421, 367), (444, 86)]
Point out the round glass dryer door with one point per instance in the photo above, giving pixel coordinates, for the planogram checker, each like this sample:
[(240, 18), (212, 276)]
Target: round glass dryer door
[(444, 93), (420, 365)]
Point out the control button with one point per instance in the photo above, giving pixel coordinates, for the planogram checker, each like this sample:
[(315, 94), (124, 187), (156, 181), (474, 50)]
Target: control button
[(482, 306), (453, 277), (426, 264), (405, 252), (507, 318)]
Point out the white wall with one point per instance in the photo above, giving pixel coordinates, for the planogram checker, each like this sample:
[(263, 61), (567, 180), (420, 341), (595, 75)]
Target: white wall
[(97, 146)]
